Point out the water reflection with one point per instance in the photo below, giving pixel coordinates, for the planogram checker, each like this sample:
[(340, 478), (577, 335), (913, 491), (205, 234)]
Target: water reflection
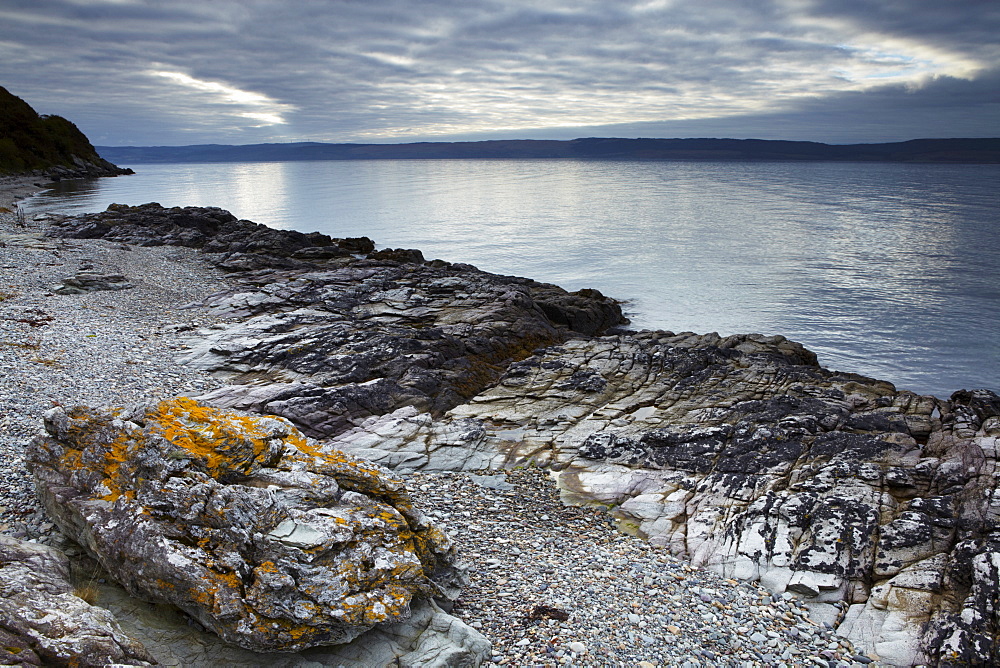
[(887, 270)]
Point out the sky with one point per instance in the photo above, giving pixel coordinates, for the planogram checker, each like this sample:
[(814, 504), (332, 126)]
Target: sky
[(177, 72)]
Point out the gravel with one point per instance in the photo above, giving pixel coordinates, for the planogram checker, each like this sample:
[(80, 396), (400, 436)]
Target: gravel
[(550, 585), (98, 348), (553, 585)]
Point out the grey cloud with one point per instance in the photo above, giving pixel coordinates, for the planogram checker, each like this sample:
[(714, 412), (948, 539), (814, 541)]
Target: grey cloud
[(964, 23), (946, 107), (440, 68)]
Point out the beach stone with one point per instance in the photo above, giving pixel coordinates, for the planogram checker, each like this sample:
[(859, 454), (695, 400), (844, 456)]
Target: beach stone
[(44, 623), (90, 281), (240, 521)]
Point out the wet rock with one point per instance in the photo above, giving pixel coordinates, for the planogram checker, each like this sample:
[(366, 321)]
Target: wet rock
[(238, 245), (241, 522), (44, 623), (329, 332), (330, 349)]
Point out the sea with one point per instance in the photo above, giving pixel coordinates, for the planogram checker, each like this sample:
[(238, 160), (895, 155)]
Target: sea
[(883, 269)]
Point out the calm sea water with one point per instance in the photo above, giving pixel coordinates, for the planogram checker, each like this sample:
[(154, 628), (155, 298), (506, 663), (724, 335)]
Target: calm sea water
[(888, 270)]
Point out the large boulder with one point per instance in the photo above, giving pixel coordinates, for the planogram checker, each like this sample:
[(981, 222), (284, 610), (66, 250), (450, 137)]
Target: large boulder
[(44, 623), (240, 521)]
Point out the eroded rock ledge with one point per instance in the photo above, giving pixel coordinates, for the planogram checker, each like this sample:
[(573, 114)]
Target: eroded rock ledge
[(351, 332), (44, 623), (877, 506)]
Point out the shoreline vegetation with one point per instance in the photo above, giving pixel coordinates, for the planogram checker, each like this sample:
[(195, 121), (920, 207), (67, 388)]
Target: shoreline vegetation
[(46, 146), (946, 151)]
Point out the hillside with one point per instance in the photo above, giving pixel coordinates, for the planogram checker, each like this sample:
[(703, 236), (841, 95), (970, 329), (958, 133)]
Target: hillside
[(46, 145), (919, 150)]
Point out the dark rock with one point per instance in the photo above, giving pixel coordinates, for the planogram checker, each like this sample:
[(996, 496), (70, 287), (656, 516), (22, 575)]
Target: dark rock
[(402, 255), (91, 281), (242, 245), (330, 348)]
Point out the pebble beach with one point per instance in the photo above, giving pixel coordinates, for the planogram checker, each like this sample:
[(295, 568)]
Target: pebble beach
[(550, 585)]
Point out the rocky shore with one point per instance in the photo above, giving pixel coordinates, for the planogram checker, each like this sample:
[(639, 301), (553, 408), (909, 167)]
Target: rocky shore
[(736, 461)]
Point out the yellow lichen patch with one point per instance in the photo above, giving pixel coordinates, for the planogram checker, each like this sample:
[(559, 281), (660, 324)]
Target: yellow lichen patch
[(118, 460), (267, 567), (270, 626), (212, 584), (221, 441)]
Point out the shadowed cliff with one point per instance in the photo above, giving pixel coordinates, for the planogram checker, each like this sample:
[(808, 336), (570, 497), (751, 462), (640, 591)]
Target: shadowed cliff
[(49, 145)]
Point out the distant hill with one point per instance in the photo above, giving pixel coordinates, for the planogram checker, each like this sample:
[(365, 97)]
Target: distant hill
[(917, 150), (47, 146)]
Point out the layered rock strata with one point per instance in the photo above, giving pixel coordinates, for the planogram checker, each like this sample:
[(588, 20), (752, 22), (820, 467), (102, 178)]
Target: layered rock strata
[(241, 522), (332, 332), (877, 507), (45, 623)]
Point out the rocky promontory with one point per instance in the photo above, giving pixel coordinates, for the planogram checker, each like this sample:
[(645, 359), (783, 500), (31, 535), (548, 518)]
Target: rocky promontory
[(45, 145), (872, 508)]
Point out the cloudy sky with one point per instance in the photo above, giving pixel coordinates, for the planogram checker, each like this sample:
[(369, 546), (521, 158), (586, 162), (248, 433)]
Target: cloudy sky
[(172, 72)]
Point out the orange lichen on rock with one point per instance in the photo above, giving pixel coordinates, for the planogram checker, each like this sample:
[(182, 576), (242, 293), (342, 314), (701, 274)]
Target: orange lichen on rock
[(222, 441), (265, 538)]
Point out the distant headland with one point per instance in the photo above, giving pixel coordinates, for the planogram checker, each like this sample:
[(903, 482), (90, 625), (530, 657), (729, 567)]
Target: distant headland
[(982, 150)]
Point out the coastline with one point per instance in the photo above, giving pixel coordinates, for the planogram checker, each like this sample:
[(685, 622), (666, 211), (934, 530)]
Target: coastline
[(628, 602), (13, 189)]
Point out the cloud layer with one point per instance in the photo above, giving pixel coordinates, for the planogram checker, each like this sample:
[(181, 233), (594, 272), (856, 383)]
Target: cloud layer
[(227, 71)]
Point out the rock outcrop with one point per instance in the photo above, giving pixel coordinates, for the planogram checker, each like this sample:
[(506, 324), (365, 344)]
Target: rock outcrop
[(235, 245), (329, 349), (333, 332), (877, 507), (91, 281), (44, 622), (241, 522)]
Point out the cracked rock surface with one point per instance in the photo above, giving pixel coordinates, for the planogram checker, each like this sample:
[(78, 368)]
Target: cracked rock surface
[(240, 522), (44, 622), (876, 507)]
